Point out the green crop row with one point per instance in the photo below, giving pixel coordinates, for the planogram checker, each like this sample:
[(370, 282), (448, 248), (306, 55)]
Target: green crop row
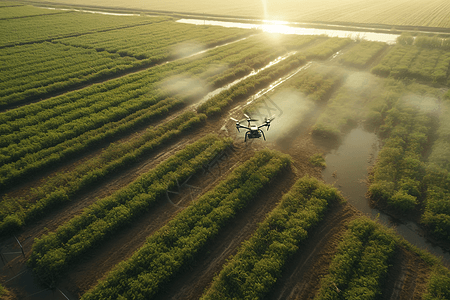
[(436, 216), (35, 70), (250, 85), (432, 42), (441, 147), (53, 253), (32, 136), (362, 54), (4, 4), (24, 11), (360, 264), (316, 82), (258, 263), (414, 62), (399, 170), (396, 62), (208, 67), (32, 162), (175, 246), (24, 30), (157, 42), (327, 48), (39, 69), (14, 213)]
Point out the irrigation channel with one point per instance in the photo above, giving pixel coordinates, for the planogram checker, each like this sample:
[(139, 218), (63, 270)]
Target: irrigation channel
[(287, 28)]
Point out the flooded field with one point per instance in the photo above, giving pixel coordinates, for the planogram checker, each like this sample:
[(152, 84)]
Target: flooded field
[(347, 169), (286, 28)]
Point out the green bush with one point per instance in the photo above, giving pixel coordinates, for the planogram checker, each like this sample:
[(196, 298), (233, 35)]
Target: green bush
[(399, 170), (318, 160)]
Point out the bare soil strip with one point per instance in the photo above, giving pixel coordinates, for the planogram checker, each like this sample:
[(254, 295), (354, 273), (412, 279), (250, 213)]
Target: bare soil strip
[(301, 278), (407, 277)]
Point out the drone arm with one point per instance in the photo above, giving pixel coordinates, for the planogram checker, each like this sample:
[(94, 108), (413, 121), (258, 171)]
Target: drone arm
[(241, 126)]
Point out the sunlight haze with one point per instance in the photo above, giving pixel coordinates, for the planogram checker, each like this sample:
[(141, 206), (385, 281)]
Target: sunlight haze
[(433, 13)]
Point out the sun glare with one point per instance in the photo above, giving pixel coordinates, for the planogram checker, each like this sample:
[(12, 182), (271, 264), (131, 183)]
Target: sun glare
[(264, 5)]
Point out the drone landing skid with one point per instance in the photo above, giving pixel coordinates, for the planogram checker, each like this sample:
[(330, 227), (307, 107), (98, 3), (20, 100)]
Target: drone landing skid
[(254, 134)]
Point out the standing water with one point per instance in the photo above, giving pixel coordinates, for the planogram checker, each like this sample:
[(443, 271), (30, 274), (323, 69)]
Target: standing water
[(347, 169), (388, 38)]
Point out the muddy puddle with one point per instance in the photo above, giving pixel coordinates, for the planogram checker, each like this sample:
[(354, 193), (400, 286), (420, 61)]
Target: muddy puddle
[(286, 28), (347, 169)]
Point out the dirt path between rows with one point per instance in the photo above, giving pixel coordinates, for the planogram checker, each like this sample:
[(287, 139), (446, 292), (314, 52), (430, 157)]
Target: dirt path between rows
[(301, 278)]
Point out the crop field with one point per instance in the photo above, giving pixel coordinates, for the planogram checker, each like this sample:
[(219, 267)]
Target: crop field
[(123, 177), (433, 13), (425, 58)]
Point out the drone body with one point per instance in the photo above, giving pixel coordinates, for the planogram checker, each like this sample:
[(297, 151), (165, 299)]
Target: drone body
[(253, 131)]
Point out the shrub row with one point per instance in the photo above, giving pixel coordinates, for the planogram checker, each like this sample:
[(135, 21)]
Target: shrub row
[(362, 54), (164, 40), (396, 62), (63, 187), (209, 68), (44, 157), (327, 48), (53, 253), (24, 30), (316, 83), (35, 70), (32, 136), (250, 85), (441, 147), (436, 216), (399, 170), (174, 246), (18, 11), (414, 62), (360, 264), (258, 264)]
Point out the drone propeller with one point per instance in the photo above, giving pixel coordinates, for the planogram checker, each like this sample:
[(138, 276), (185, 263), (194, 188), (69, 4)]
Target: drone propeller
[(237, 123), (250, 119), (267, 121)]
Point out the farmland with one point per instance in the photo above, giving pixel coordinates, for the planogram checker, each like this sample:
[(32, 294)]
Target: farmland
[(122, 176), (412, 13)]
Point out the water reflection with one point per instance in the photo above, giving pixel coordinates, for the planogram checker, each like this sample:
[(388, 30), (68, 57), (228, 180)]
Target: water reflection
[(347, 169), (284, 28)]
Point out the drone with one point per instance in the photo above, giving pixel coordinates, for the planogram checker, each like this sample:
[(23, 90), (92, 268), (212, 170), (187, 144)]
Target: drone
[(253, 131)]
